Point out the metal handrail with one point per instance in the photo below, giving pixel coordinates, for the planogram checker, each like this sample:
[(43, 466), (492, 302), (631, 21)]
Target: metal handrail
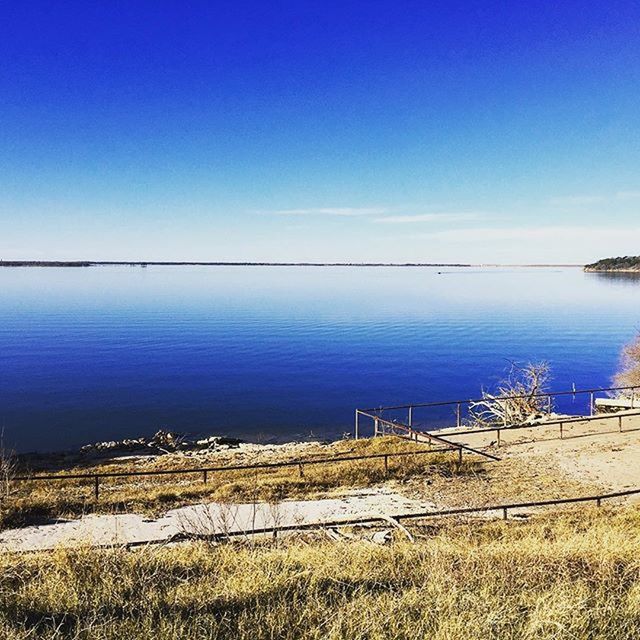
[(542, 423), (549, 394), (461, 431), (519, 505), (262, 465), (425, 434), (300, 463), (373, 518)]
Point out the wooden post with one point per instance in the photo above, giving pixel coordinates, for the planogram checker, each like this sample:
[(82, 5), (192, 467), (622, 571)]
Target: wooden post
[(561, 431), (96, 486), (301, 470), (591, 403), (598, 502), (375, 427), (458, 418), (386, 465), (504, 513), (357, 425), (204, 476), (459, 455), (410, 416)]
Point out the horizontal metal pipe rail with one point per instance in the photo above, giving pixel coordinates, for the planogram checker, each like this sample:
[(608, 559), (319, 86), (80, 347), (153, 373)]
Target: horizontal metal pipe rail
[(300, 463), (372, 519), (549, 394), (372, 413), (546, 423), (518, 505)]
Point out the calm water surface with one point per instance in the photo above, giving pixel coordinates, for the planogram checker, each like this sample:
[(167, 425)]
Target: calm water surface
[(275, 353)]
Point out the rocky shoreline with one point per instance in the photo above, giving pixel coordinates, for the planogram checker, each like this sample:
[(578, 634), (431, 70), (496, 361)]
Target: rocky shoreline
[(162, 443)]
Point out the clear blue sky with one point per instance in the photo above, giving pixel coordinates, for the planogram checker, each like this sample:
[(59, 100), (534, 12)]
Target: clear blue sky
[(484, 131)]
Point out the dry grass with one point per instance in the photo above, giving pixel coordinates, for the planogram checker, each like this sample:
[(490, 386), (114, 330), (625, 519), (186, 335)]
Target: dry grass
[(563, 576), (29, 501)]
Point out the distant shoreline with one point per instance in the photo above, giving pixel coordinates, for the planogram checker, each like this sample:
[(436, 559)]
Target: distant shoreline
[(102, 263), (590, 270), (621, 264)]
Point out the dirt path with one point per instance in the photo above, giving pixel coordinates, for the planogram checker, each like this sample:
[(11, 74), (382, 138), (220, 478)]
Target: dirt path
[(594, 454)]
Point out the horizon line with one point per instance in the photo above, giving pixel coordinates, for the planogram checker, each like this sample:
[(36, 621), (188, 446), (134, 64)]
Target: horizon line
[(232, 263)]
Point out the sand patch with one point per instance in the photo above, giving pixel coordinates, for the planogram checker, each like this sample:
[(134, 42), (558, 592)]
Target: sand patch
[(206, 519)]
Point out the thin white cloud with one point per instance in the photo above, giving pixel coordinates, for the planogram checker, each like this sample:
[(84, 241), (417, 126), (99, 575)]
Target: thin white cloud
[(429, 217), (587, 199), (556, 234), (628, 195), (576, 200), (331, 211)]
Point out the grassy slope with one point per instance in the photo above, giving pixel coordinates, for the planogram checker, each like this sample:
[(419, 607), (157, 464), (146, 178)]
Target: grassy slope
[(571, 575), (157, 494)]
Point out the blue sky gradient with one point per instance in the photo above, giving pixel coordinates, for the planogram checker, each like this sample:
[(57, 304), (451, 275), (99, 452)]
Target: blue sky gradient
[(414, 131)]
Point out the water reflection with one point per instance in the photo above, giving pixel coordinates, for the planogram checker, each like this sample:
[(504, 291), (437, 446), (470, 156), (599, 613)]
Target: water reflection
[(114, 352), (617, 277)]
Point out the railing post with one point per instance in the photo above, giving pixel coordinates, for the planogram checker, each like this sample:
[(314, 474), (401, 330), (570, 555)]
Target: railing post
[(410, 416), (204, 476), (561, 425), (357, 425), (96, 486), (386, 465), (459, 455), (301, 470), (591, 408), (549, 405), (375, 427), (504, 513), (458, 418)]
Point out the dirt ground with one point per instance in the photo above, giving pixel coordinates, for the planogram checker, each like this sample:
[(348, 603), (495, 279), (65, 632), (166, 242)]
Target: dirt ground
[(536, 463)]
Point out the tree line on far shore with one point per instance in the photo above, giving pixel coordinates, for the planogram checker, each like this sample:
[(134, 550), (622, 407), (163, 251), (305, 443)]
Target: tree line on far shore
[(625, 263)]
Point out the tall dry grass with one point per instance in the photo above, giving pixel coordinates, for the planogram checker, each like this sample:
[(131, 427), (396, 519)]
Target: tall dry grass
[(572, 575)]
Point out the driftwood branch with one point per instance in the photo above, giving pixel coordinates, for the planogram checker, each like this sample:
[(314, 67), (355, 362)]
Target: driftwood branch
[(516, 399)]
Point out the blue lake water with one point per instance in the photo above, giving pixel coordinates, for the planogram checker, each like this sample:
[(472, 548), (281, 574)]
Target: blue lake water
[(283, 352)]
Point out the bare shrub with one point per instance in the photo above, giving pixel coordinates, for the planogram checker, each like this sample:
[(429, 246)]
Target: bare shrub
[(516, 399), (629, 373), (7, 473)]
